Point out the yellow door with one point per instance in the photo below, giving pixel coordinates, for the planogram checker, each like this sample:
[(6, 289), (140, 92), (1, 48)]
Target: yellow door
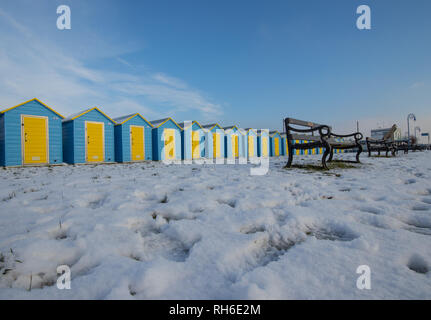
[(95, 141), (35, 140), (169, 144), (137, 144), (235, 148), (287, 148), (216, 145), (306, 150), (298, 152), (195, 145), (264, 146), (250, 146), (277, 146)]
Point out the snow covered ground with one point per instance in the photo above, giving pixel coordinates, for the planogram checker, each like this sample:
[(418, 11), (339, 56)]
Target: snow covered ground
[(150, 231)]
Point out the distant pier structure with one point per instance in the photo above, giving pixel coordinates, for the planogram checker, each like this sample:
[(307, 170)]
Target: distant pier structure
[(393, 133)]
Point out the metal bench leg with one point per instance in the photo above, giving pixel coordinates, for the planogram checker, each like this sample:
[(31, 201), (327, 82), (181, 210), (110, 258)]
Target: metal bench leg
[(290, 159), (290, 151), (331, 155), (327, 152), (358, 153)]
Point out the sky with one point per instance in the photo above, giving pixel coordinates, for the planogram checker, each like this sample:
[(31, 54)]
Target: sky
[(243, 62)]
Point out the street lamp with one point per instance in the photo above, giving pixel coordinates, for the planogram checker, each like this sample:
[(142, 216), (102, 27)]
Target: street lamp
[(411, 116)]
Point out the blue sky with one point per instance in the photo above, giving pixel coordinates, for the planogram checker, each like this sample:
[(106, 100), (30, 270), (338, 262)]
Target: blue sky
[(248, 63)]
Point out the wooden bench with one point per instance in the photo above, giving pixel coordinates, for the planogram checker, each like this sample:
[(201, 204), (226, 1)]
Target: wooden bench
[(318, 136), (402, 145), (381, 145), (386, 144)]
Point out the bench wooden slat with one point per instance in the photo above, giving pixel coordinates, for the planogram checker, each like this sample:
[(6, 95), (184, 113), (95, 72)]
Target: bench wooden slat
[(304, 137), (302, 123)]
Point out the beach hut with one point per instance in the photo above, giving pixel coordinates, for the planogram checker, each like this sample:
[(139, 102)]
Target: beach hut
[(275, 142), (263, 143), (234, 142), (166, 139), (301, 152), (216, 137), (30, 134), (284, 145), (88, 137), (243, 143), (133, 138), (192, 140), (251, 138)]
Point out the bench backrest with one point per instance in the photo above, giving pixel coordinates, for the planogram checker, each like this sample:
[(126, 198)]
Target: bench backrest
[(301, 136), (301, 123)]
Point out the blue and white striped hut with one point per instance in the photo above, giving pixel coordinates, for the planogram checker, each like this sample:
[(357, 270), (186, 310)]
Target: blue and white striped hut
[(275, 139), (133, 138), (284, 145), (306, 151), (192, 140), (339, 150), (166, 139), (243, 143), (88, 137), (251, 138), (263, 143), (234, 142), (30, 134), (216, 137)]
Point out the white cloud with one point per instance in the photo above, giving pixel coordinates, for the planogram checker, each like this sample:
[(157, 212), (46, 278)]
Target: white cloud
[(171, 81), (30, 67), (417, 85)]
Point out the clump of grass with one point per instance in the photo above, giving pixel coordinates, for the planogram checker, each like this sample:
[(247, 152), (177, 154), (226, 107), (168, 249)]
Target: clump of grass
[(31, 280), (341, 165), (319, 168), (10, 196), (131, 291), (165, 199), (307, 167)]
